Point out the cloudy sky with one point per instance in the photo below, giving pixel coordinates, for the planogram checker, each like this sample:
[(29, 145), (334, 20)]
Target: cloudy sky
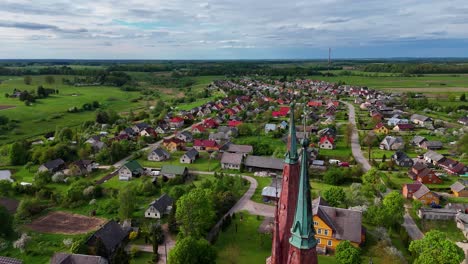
[(232, 29)]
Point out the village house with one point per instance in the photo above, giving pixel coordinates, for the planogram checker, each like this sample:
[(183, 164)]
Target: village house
[(421, 120), (410, 188), (397, 121), (198, 129), (185, 136), (273, 191), (421, 173), (159, 154), (176, 122), (401, 159), (433, 157), (129, 170), (327, 142), (148, 132), (219, 137), (463, 120), (189, 156), (137, 128), (432, 145), (418, 140), (5, 175), (426, 196), (159, 207), (459, 189), (269, 128), (83, 167), (334, 225), (66, 258), (230, 131), (52, 166), (231, 161), (163, 128), (392, 143), (173, 144), (452, 167), (241, 149), (403, 127), (380, 128), (172, 171), (205, 144), (112, 236), (258, 163)]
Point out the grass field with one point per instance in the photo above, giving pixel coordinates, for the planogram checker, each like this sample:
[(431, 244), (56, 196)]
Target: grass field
[(45, 115), (434, 82)]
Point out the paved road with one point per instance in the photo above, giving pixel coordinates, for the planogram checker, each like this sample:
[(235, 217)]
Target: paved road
[(411, 228), (355, 146)]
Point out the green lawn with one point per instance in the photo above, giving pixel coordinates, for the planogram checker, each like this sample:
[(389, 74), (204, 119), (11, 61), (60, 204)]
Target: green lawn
[(45, 115), (449, 228), (247, 246), (142, 258)]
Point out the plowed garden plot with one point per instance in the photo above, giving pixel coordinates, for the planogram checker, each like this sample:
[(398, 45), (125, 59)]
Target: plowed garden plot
[(66, 223), (3, 107)]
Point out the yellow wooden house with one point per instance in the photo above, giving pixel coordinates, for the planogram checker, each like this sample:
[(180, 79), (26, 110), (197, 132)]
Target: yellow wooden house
[(459, 189), (380, 128), (333, 225), (426, 196)]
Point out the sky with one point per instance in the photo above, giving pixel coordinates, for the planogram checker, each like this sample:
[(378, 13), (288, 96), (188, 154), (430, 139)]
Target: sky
[(232, 29)]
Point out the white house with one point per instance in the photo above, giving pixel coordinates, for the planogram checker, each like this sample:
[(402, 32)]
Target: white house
[(129, 170), (159, 207), (5, 175)]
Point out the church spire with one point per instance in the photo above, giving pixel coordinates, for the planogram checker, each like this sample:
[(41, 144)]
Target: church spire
[(291, 156), (302, 230)]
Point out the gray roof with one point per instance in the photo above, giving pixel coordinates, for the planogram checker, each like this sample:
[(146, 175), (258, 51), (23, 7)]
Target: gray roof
[(418, 139), (162, 203), (5, 175), (66, 258), (6, 260), (433, 144), (232, 158), (192, 153), (433, 155), (419, 117), (457, 186), (54, 164), (264, 162), (345, 223), (421, 192), (161, 152), (111, 234), (270, 191), (240, 148)]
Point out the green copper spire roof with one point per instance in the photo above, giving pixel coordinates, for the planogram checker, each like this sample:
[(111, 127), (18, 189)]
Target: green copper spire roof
[(302, 230), (291, 156)]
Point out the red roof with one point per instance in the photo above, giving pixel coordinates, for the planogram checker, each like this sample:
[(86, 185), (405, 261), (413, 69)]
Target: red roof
[(405, 126), (210, 123), (234, 123), (314, 103), (325, 138), (205, 143), (413, 187), (199, 127), (284, 110), (177, 119)]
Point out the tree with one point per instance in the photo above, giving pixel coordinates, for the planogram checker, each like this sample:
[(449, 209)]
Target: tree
[(195, 212), (335, 196), (463, 97), (127, 203), (244, 129), (65, 135), (371, 177), (192, 251), (393, 204), (436, 248), (333, 176), (19, 153), (49, 79), (120, 257), (102, 117), (348, 133), (6, 222), (346, 253), (369, 140), (27, 80)]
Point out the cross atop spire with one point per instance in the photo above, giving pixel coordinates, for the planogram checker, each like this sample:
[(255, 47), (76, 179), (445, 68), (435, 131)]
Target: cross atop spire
[(291, 156), (302, 230)]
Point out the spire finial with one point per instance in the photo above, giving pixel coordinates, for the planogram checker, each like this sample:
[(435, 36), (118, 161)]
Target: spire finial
[(291, 156)]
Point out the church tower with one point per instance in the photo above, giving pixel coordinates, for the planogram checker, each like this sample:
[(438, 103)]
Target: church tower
[(302, 242), (286, 205)]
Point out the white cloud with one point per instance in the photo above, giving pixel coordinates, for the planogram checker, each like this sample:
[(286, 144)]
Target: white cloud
[(160, 29)]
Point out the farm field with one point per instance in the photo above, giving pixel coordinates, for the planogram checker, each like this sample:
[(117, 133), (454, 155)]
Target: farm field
[(66, 223), (428, 83)]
